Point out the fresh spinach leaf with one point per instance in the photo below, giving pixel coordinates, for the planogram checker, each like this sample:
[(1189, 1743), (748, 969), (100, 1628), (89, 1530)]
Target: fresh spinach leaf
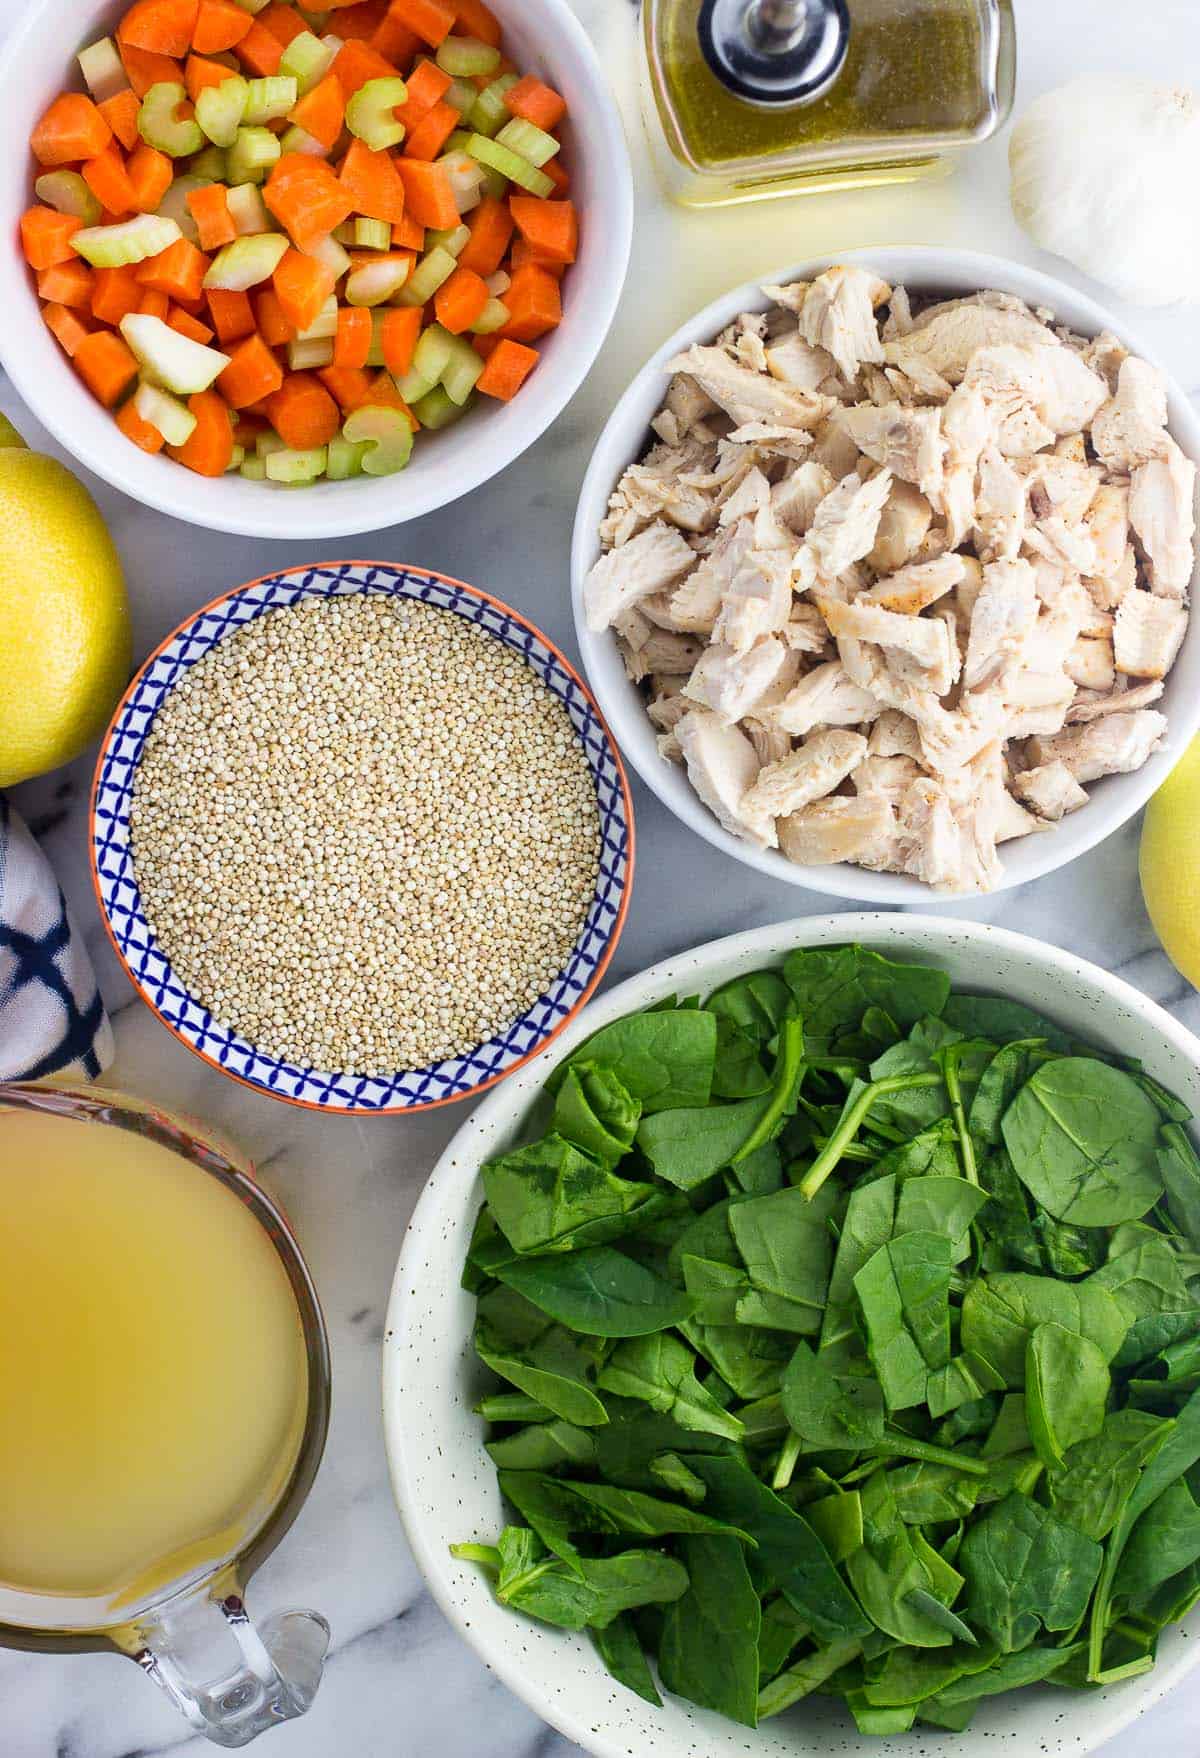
[(827, 1410), (612, 1509), (606, 1587), (787, 1253), (1180, 1170), (709, 1651), (542, 1359), (689, 1146), (1165, 1541), (1001, 1020), (805, 1676), (1026, 1571), (598, 1290), (552, 1197), (834, 986), (1000, 1311), (661, 1371), (543, 1446), (593, 1109), (887, 1571), (1066, 1391), (618, 1647), (904, 1292), (663, 1059), (866, 1226), (1083, 1138), (964, 1380)]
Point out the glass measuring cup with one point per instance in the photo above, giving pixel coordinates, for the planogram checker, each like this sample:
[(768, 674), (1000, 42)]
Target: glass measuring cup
[(105, 1211)]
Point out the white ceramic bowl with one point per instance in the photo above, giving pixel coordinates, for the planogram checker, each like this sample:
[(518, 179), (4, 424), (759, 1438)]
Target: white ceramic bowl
[(924, 270), (445, 1483), (543, 36)]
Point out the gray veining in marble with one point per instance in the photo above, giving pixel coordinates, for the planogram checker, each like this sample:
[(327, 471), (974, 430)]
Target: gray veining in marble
[(399, 1682)]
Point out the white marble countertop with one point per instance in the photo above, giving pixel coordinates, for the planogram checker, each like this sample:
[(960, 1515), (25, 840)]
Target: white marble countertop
[(399, 1681)]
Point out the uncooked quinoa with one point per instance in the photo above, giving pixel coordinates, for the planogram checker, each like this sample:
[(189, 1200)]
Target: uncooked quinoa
[(365, 834)]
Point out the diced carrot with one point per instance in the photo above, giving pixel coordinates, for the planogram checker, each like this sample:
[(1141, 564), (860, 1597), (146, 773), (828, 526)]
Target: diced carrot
[(231, 314), (154, 304), (178, 271), (67, 283), (193, 307), (46, 237), (72, 129), (534, 302), (321, 111), (260, 51), (428, 193), (116, 293), (432, 21), (356, 63), (121, 113), (408, 234), (66, 326), (352, 343), (509, 365), (303, 412), (219, 25), (556, 171), (393, 39), (109, 182), (349, 385), (283, 22), (523, 252), (252, 374), (549, 226), (474, 19), (200, 72), (398, 332), (307, 199), (273, 327), (427, 85), (209, 206), (302, 285), (187, 325), (161, 27), (144, 68), (460, 300), (385, 393), (359, 21), (373, 183), (247, 427), (432, 132), (485, 346), (150, 174), (142, 433), (106, 365), (535, 102), (491, 227), (209, 448)]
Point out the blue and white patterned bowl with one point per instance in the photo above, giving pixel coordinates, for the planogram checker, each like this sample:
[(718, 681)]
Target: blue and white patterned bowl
[(121, 906)]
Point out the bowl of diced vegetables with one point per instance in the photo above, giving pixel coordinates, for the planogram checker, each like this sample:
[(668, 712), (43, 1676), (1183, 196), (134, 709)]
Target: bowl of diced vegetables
[(369, 251), (804, 1350)]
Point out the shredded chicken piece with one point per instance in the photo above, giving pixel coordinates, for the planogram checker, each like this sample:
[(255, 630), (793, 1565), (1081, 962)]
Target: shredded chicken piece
[(912, 589), (999, 508), (1131, 428), (894, 735), (757, 600), (1090, 663), (903, 527), (1162, 496), (1113, 746), (1037, 391), (825, 696), (838, 314), (798, 364), (1147, 634), (1119, 701), (920, 639), (722, 767), (806, 774), (1004, 613), (796, 497), (652, 560), (734, 684), (750, 396), (845, 523), (1050, 790), (908, 442), (841, 828), (696, 601), (946, 340)]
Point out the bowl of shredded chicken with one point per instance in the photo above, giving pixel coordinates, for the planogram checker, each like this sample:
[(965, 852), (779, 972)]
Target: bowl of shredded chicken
[(882, 572)]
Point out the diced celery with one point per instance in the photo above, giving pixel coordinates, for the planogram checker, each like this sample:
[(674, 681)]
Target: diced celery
[(375, 350), (324, 324), (295, 467), (438, 409), (494, 316), (370, 113), (268, 99), (102, 69), (69, 194), (345, 458), (432, 354), (454, 239), (365, 234), (327, 250), (254, 468), (169, 359), (463, 57), (460, 94), (489, 110), (298, 140), (246, 262), (316, 20), (236, 459), (306, 356), (528, 141), (221, 109), (160, 124), (250, 155), (413, 385), (209, 164), (509, 164), (390, 435), (435, 266), (110, 247), (377, 281), (248, 210), (498, 284), (173, 419), (495, 183), (267, 442), (466, 179), (252, 5), (457, 142), (173, 205), (461, 371), (307, 60)]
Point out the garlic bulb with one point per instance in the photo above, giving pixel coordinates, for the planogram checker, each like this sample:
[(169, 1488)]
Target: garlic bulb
[(1104, 172)]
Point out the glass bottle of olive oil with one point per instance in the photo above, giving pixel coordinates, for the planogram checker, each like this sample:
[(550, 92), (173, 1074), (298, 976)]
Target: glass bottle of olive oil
[(753, 98)]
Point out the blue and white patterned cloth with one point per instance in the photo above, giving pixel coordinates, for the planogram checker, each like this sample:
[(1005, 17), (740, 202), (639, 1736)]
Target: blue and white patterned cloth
[(52, 1020)]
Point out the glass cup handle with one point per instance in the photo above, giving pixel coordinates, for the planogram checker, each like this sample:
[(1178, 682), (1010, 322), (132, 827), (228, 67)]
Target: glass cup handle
[(274, 1677)]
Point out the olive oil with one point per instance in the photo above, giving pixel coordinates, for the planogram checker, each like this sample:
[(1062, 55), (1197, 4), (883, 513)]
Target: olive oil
[(919, 78)]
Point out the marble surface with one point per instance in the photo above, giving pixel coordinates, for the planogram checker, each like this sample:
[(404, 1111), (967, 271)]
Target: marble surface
[(399, 1681)]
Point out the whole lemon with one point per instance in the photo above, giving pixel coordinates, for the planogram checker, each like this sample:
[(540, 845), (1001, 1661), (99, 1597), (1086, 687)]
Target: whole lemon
[(1170, 863), (65, 639)]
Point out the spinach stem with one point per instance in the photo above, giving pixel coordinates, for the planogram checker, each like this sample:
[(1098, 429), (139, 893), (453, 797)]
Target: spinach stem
[(966, 1146), (788, 1455), (851, 1121), (487, 1554), (787, 1072)]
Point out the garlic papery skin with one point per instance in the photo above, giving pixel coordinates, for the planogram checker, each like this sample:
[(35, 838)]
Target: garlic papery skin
[(1105, 172)]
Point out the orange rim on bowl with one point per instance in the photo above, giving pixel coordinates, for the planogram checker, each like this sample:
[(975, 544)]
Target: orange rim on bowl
[(189, 1020)]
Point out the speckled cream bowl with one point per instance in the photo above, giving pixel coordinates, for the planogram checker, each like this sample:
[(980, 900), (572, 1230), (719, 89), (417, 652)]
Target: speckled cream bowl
[(445, 1483), (924, 270)]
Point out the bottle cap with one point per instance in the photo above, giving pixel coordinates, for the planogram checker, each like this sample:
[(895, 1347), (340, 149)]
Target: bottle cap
[(775, 51)]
